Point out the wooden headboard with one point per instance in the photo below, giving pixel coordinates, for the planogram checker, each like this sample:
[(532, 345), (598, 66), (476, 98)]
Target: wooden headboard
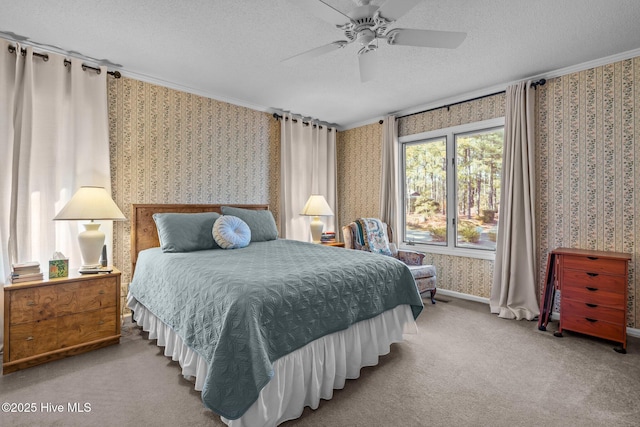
[(144, 234)]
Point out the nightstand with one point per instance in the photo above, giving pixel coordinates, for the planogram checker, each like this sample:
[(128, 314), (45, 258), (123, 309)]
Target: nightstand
[(51, 319), (338, 244)]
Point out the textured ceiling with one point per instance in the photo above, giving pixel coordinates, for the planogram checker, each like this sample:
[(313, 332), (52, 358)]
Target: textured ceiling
[(232, 50)]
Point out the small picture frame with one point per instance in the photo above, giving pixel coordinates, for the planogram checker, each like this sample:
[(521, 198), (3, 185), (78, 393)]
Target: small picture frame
[(58, 268)]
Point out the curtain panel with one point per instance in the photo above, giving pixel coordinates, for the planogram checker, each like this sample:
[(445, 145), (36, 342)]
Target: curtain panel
[(54, 138), (513, 294), (388, 184), (308, 166)]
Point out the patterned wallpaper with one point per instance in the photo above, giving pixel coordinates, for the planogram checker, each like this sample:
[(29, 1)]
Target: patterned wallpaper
[(460, 114), (168, 146), (359, 153), (359, 157), (588, 152)]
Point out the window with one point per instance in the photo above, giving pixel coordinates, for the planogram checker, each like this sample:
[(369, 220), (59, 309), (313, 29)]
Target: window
[(451, 194)]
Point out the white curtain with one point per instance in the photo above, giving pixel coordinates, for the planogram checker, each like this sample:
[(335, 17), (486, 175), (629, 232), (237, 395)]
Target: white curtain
[(54, 139), (513, 294), (308, 166), (388, 185)]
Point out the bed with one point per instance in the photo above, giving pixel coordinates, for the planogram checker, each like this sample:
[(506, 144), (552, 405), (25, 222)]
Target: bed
[(269, 328)]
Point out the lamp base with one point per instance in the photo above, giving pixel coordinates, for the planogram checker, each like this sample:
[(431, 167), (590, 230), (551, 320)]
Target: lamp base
[(91, 241), (316, 227)]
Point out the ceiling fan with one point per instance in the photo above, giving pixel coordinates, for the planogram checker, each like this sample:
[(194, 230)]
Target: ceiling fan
[(366, 24)]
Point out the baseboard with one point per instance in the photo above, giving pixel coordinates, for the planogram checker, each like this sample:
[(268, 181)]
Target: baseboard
[(462, 296), (555, 316)]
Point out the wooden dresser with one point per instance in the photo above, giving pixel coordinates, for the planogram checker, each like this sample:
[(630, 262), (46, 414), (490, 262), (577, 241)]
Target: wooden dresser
[(50, 319), (593, 293)]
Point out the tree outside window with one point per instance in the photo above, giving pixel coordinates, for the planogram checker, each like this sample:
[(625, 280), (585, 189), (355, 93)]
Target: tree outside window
[(452, 188)]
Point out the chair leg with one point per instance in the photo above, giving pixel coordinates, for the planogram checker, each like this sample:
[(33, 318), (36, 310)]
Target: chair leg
[(433, 296)]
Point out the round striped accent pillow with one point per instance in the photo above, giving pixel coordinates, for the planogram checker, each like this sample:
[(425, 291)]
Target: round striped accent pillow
[(230, 232)]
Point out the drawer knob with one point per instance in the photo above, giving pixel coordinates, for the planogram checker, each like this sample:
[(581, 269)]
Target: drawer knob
[(591, 320), (591, 305), (591, 289), (592, 274), (29, 339), (101, 322), (101, 292), (29, 303)]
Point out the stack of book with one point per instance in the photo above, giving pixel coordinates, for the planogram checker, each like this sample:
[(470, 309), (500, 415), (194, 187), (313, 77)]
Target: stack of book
[(328, 236), (26, 272)]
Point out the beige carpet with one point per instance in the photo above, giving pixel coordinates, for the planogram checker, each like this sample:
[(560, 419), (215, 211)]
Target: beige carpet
[(465, 367)]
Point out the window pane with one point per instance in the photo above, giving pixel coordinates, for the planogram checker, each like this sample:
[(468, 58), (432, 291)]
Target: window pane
[(478, 166), (426, 192)]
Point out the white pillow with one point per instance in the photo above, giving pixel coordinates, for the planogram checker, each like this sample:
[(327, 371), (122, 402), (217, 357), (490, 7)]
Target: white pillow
[(230, 232)]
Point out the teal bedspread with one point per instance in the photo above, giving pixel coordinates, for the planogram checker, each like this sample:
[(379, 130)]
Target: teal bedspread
[(242, 309)]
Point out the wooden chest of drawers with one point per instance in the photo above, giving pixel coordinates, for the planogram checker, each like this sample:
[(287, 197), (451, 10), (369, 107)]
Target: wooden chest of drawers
[(593, 293), (51, 319)]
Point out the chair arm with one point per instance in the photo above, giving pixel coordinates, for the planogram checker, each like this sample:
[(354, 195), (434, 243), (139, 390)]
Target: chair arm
[(347, 237), (410, 257)]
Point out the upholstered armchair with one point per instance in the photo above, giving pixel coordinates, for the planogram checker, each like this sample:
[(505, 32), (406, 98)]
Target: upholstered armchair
[(424, 274)]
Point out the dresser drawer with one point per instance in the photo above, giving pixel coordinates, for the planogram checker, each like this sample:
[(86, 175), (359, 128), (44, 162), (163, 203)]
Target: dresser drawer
[(85, 327), (594, 288), (593, 310), (28, 305), (595, 264), (46, 302), (28, 339), (99, 293), (593, 296), (594, 327), (32, 338), (599, 281)]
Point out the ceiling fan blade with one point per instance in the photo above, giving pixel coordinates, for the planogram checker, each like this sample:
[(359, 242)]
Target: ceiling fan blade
[(425, 38), (309, 54), (394, 9), (368, 61), (323, 11)]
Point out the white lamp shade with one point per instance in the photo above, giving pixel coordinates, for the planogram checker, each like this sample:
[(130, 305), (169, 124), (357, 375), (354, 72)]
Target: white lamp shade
[(317, 206), (91, 203)]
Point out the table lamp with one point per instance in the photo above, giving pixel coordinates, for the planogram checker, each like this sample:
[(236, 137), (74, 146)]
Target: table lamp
[(316, 207), (91, 203)]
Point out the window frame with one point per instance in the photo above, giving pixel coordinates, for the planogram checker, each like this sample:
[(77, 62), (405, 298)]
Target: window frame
[(449, 135)]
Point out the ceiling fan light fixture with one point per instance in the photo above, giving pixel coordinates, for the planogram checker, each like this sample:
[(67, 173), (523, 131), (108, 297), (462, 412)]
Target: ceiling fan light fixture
[(366, 36)]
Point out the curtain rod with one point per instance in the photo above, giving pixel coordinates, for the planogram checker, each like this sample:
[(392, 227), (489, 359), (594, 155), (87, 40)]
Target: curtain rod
[(540, 82), (278, 117), (45, 58)]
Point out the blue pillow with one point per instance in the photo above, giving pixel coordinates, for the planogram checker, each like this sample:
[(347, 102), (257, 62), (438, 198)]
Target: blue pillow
[(230, 232), (260, 222), (186, 232)]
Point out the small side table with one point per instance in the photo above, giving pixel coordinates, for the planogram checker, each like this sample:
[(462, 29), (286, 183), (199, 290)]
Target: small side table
[(337, 244), (50, 319)]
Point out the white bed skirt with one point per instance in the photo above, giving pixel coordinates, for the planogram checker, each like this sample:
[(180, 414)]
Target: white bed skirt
[(302, 377)]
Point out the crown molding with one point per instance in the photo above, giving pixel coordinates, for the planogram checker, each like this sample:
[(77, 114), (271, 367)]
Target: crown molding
[(182, 88)]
